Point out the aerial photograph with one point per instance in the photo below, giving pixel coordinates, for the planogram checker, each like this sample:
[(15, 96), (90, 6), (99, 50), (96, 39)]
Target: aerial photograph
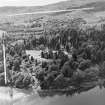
[(52, 52)]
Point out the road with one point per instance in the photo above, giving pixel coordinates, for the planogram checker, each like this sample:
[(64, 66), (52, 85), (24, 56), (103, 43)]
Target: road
[(5, 98), (18, 95), (47, 12), (26, 97)]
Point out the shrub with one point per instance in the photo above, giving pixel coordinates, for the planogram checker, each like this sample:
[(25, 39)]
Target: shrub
[(84, 64)]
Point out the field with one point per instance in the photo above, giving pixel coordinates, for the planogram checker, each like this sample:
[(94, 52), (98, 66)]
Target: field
[(36, 54)]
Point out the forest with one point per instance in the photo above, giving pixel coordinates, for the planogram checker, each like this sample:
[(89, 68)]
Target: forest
[(82, 67)]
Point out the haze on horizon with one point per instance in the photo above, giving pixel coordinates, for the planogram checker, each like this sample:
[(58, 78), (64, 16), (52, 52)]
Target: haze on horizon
[(27, 2)]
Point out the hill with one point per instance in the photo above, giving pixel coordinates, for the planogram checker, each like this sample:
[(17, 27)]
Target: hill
[(28, 16), (69, 4)]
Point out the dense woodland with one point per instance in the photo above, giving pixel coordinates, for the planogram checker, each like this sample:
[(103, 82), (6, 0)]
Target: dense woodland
[(84, 69), (86, 65)]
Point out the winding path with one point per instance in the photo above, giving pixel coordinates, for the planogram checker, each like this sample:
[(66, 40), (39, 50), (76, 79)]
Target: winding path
[(53, 11)]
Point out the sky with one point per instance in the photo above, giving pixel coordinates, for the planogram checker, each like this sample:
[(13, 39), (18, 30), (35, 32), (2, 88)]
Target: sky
[(27, 2)]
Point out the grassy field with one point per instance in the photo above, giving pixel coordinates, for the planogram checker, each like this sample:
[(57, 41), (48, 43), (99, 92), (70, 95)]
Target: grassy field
[(36, 54)]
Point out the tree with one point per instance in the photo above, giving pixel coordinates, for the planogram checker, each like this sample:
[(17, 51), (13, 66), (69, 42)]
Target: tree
[(2, 81), (85, 64), (66, 70)]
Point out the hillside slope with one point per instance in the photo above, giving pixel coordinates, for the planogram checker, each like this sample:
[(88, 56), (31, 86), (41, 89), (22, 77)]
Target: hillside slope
[(69, 4)]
